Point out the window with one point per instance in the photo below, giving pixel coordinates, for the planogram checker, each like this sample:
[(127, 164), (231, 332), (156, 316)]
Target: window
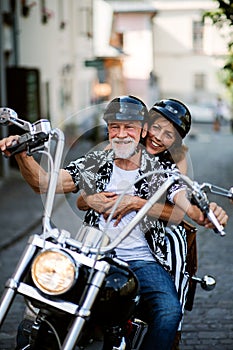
[(85, 22), (198, 36), (116, 40), (199, 81)]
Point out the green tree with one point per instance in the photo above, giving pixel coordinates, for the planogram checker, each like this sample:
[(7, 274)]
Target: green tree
[(221, 17)]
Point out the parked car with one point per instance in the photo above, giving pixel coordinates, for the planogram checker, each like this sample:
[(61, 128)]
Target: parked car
[(206, 113), (201, 113)]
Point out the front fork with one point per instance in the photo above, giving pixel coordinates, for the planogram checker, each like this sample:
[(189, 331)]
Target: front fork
[(83, 311), (12, 284)]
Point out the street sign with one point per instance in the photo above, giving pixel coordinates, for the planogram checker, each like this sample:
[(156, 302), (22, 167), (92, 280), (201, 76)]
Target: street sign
[(96, 63)]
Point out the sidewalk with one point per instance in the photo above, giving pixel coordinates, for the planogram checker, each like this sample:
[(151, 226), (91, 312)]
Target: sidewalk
[(17, 198), (21, 210)]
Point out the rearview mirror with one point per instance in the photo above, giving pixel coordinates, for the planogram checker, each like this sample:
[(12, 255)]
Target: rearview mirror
[(7, 115)]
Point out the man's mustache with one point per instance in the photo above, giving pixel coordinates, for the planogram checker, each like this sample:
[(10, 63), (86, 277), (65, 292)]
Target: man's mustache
[(122, 141)]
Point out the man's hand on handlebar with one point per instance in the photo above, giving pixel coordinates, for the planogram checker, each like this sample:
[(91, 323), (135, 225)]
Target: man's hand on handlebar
[(220, 215), (8, 142), (195, 214)]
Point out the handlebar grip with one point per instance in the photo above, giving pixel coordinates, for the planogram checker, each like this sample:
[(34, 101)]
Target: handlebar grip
[(28, 142), (18, 146), (218, 227)]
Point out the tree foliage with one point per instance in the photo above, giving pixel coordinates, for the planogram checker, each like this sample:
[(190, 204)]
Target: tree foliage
[(221, 17)]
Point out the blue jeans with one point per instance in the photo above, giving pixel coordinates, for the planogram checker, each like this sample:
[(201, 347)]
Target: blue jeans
[(159, 304)]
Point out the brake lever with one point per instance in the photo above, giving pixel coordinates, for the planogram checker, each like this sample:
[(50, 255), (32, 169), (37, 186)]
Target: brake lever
[(201, 200), (218, 227)]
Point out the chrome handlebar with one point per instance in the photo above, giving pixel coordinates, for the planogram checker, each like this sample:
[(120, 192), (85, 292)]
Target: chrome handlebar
[(218, 190), (35, 137)]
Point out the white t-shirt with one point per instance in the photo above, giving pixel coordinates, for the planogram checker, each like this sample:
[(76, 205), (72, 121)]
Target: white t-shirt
[(134, 247)]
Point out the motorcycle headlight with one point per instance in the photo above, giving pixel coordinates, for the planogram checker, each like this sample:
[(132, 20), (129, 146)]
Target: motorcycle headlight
[(54, 272)]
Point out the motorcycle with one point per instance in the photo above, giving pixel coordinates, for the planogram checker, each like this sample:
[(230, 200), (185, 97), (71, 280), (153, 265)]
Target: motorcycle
[(78, 295)]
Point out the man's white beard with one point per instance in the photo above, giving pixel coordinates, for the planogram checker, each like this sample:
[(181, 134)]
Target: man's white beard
[(124, 148)]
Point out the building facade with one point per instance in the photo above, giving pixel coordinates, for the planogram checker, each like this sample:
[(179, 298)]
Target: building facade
[(59, 42), (188, 51), (55, 60)]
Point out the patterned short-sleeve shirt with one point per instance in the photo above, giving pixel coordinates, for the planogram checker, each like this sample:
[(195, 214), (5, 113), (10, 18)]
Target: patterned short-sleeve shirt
[(92, 173)]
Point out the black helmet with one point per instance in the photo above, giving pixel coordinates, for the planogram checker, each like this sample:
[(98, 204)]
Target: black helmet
[(176, 112), (125, 108)]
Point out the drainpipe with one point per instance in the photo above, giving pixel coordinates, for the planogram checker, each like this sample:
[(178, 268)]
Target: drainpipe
[(153, 84), (14, 9), (4, 163), (15, 31)]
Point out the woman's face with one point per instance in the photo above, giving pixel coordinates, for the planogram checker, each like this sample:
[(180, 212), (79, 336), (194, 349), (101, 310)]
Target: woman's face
[(161, 136)]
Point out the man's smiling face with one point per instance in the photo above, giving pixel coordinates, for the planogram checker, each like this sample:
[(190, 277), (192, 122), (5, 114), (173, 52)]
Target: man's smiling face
[(124, 137)]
